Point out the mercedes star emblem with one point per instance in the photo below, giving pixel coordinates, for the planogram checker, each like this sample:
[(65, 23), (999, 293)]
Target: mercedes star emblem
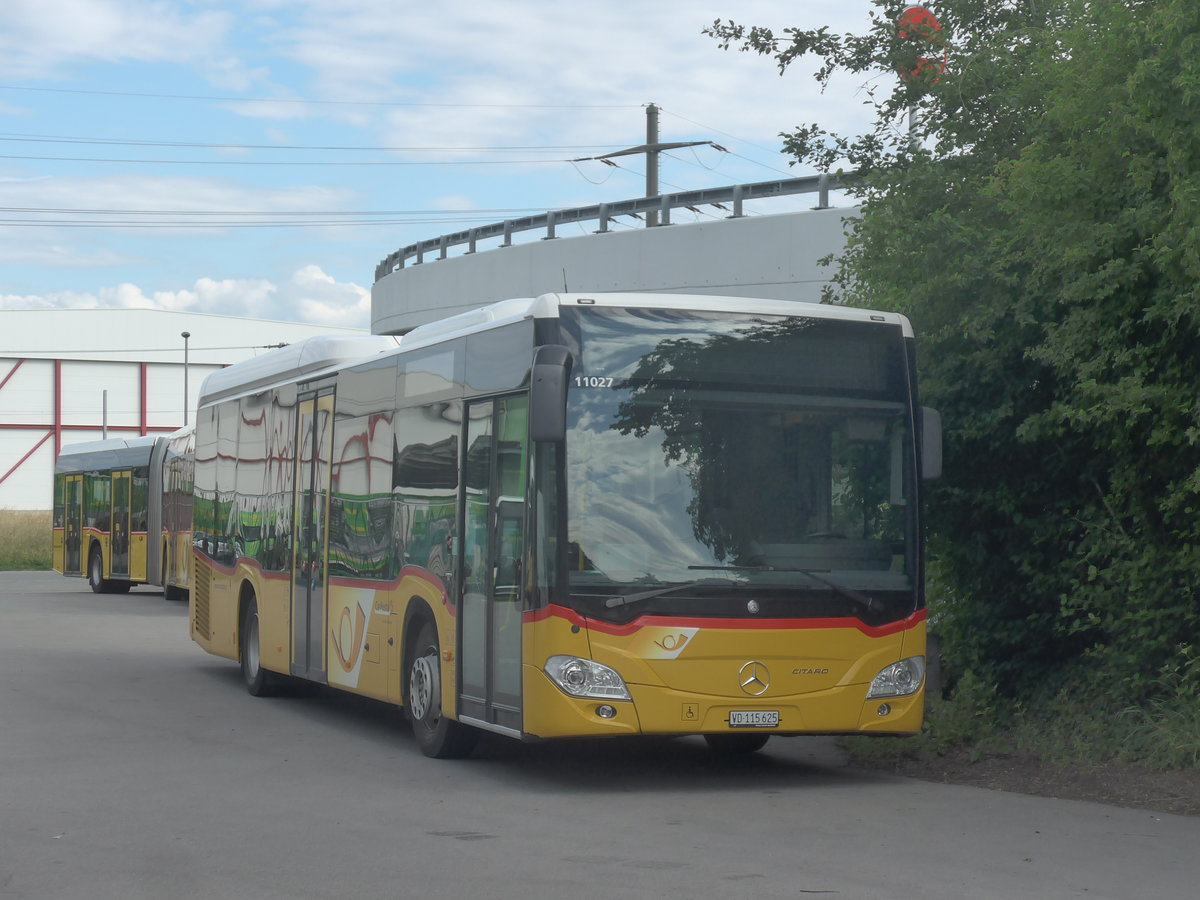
[(753, 678)]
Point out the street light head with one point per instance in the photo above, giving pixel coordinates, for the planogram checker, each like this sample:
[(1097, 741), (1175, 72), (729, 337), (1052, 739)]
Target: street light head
[(185, 335)]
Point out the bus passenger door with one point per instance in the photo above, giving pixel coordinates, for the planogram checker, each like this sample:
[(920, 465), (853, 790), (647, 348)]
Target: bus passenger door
[(493, 540), (314, 447), (73, 526), (119, 528)]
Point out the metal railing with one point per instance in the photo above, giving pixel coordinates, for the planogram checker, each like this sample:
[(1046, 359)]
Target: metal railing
[(733, 195)]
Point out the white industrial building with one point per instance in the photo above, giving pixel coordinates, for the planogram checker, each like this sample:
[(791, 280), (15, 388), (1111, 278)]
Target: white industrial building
[(71, 375)]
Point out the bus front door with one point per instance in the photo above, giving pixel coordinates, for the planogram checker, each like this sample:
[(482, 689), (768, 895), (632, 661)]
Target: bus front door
[(314, 448), (73, 526), (493, 532)]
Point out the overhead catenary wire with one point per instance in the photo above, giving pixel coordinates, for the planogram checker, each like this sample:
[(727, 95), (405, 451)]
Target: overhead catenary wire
[(58, 223), (242, 212), (123, 142), (46, 217), (289, 162), (629, 171), (316, 102), (735, 137)]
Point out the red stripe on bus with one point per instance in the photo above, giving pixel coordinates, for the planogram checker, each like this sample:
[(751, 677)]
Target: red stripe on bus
[(733, 624)]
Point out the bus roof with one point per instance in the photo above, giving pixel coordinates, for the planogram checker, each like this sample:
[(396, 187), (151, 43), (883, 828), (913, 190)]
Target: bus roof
[(114, 453), (316, 355), (548, 305), (310, 356)]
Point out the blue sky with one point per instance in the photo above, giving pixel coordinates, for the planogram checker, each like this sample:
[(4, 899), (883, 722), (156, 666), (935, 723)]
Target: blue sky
[(206, 155)]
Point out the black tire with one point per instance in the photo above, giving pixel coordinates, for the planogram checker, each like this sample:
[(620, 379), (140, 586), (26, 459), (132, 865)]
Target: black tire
[(736, 744), (96, 579), (437, 735), (119, 587), (259, 682)]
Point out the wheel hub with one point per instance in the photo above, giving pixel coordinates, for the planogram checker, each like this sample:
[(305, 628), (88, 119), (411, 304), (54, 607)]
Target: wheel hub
[(425, 688)]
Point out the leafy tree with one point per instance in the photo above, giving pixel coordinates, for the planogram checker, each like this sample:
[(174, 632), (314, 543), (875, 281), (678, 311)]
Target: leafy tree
[(1040, 223)]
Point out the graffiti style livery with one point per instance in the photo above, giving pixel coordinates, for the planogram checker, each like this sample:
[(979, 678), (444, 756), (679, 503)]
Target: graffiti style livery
[(122, 512), (577, 515)]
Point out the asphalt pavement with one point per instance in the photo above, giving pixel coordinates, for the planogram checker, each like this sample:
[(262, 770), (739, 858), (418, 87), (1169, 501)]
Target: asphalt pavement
[(134, 765)]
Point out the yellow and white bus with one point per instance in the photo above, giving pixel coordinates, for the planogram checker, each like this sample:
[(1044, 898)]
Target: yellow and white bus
[(122, 512), (578, 515)]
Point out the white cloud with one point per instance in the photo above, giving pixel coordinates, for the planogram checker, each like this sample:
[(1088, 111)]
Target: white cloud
[(455, 203), (38, 37), (322, 301), (504, 61), (310, 296)]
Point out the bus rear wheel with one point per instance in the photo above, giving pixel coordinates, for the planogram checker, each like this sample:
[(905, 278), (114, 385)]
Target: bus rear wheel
[(96, 579), (259, 682), (437, 735)]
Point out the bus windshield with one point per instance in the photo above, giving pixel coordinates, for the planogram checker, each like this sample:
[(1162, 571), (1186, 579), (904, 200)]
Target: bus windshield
[(715, 459)]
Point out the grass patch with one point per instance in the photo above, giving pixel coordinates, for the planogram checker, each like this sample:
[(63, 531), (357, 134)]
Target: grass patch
[(24, 540), (1079, 725)]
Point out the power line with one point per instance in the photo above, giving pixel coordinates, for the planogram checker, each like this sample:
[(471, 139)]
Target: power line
[(303, 100), (21, 223), (471, 213), (74, 223), (71, 139), (740, 140), (281, 162)]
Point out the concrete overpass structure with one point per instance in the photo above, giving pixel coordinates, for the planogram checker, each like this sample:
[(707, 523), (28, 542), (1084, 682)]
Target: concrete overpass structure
[(774, 256)]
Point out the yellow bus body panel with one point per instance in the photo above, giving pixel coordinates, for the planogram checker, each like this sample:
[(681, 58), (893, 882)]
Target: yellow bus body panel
[(58, 550), (273, 594), (364, 625), (685, 676), (137, 557), (212, 609), (365, 635)]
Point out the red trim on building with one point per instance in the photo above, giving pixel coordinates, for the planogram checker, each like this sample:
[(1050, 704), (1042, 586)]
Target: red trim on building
[(11, 373), (45, 437)]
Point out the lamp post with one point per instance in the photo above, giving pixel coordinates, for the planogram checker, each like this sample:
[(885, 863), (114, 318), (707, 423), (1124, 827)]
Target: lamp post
[(185, 335)]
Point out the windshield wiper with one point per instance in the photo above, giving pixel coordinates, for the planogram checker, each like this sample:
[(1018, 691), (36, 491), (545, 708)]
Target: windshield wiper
[(626, 599), (870, 603)]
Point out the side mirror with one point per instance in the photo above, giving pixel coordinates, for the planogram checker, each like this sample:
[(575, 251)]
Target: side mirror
[(931, 443), (549, 378)]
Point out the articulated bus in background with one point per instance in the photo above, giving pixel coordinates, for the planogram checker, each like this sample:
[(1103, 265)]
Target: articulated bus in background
[(578, 516), (122, 512)]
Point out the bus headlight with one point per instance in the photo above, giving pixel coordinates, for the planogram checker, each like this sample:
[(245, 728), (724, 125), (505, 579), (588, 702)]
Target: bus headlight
[(586, 678), (899, 679)]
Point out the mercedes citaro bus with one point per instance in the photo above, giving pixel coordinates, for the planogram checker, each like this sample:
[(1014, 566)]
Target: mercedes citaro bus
[(578, 516)]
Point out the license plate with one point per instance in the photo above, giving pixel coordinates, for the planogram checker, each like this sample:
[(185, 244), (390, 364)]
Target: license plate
[(754, 718)]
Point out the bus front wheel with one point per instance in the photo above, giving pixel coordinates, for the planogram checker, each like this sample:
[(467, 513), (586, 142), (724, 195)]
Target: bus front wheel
[(437, 735)]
